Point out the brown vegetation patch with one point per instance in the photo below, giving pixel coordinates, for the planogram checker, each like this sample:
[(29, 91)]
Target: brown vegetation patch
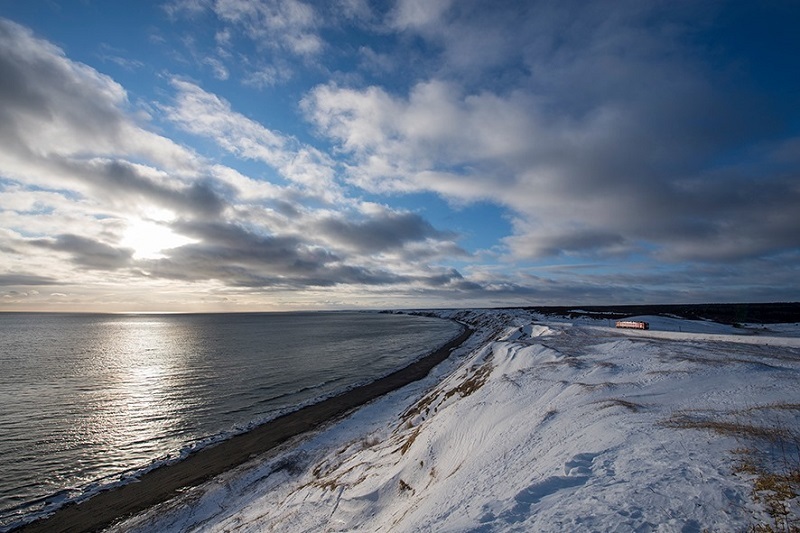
[(423, 404), (470, 384), (549, 415), (334, 482), (778, 406), (772, 458), (627, 404), (776, 487), (594, 386), (728, 428), (405, 487), (570, 361), (667, 372), (605, 364), (473, 383), (408, 442)]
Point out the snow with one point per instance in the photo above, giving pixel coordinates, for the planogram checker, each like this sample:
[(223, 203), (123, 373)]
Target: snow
[(535, 424)]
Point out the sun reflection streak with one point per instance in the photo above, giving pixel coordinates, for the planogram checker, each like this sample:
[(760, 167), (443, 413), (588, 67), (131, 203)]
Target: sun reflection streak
[(136, 408)]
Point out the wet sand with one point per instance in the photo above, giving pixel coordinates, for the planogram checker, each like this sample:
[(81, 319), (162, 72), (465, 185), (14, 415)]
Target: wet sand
[(165, 482)]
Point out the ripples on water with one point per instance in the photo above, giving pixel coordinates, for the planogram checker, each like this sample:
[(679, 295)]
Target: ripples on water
[(86, 397)]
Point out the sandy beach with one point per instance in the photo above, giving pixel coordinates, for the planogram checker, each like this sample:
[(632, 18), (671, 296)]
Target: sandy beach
[(163, 483)]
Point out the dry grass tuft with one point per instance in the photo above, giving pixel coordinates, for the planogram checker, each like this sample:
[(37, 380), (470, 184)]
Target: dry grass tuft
[(772, 458), (777, 406), (570, 361), (777, 492), (775, 486), (611, 402), (593, 386), (417, 409), (549, 415), (470, 384), (606, 364), (408, 442), (473, 383), (405, 487), (733, 429)]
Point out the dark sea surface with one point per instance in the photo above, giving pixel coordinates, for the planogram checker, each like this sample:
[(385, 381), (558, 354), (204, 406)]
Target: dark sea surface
[(85, 399)]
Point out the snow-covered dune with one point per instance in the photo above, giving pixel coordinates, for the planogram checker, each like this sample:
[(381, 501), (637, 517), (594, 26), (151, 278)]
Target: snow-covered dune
[(533, 425)]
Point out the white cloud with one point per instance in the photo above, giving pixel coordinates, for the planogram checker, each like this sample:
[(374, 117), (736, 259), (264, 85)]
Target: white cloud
[(601, 144), (266, 76), (56, 107), (218, 68), (205, 114), (286, 24), (433, 140), (418, 14)]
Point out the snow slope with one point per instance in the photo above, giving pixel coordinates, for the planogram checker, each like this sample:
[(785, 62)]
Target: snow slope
[(536, 424)]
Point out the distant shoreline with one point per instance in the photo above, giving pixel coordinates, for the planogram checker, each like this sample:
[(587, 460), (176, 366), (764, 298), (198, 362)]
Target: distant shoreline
[(163, 483), (724, 313)]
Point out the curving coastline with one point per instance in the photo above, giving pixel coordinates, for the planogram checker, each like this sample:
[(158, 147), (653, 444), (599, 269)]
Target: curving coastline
[(165, 482)]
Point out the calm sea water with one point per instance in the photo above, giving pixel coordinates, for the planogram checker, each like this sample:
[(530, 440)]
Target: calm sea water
[(84, 398)]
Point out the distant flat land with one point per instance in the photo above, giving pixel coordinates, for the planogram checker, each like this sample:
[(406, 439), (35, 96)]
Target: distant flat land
[(740, 313)]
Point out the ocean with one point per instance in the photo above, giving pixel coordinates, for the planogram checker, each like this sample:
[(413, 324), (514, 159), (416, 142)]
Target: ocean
[(88, 400)]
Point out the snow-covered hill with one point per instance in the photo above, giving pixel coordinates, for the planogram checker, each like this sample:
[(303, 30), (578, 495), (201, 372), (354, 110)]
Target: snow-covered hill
[(537, 424)]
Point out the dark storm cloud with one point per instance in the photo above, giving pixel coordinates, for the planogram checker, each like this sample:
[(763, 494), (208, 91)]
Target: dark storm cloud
[(87, 252), (232, 244)]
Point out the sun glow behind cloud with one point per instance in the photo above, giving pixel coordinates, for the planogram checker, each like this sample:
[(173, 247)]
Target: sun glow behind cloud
[(149, 239)]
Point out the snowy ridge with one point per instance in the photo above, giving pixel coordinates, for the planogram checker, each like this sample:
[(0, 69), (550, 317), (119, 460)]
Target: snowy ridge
[(533, 425)]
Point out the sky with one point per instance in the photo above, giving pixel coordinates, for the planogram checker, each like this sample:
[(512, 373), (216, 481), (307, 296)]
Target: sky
[(267, 155)]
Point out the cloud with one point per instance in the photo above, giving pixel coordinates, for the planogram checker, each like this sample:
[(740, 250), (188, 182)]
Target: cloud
[(87, 252), (50, 105), (385, 230), (587, 242), (66, 127), (418, 14), (79, 199), (12, 279), (240, 257), (624, 152), (282, 24), (265, 76), (207, 115), (288, 25), (604, 140), (119, 181), (218, 68)]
